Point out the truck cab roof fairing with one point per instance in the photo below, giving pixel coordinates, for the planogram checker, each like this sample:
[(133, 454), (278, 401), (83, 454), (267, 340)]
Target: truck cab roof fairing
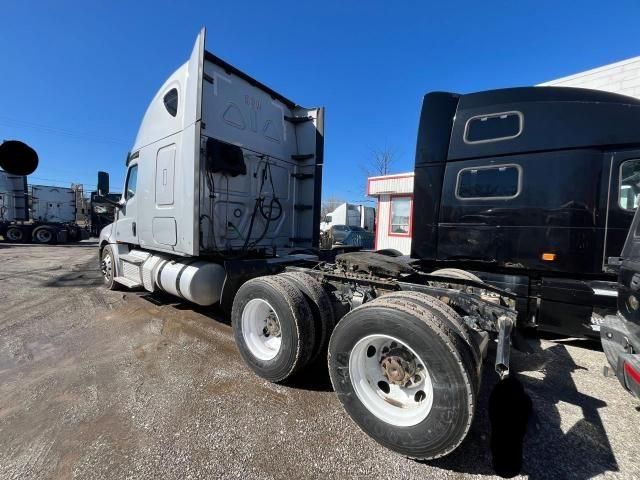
[(159, 120), (552, 118)]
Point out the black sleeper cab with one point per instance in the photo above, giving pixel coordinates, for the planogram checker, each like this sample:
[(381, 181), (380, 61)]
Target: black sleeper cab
[(533, 189), (620, 333)]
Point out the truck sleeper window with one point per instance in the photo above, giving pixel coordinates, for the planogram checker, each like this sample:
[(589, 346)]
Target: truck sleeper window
[(494, 127), (400, 215), (501, 181), (171, 102), (629, 184), (132, 179)]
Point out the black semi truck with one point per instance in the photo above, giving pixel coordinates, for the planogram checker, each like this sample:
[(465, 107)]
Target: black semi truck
[(533, 190)]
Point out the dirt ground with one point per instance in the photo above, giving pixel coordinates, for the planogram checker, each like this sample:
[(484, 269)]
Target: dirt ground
[(99, 384)]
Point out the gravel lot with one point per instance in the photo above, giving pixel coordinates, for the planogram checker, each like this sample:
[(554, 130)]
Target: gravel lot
[(99, 384)]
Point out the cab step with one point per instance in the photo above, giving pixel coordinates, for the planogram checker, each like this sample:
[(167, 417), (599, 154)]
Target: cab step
[(127, 282)]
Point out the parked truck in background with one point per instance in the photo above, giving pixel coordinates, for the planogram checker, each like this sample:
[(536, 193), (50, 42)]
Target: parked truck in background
[(351, 215), (101, 212), (36, 213), (532, 190), (221, 205)]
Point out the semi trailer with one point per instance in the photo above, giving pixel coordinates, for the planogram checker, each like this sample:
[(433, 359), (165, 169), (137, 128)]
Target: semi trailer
[(221, 205), (36, 213)]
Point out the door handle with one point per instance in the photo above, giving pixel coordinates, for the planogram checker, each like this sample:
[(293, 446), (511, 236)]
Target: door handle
[(635, 282), (133, 228)]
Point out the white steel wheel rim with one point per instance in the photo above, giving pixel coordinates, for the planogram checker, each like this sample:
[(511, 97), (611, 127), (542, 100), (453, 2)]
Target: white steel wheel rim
[(256, 315), (14, 234), (43, 236), (107, 267), (401, 406)]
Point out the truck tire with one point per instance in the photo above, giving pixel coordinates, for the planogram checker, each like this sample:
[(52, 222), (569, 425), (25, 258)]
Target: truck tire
[(457, 273), (389, 252), (273, 327), (15, 235), (108, 268), (44, 235), (402, 375), (321, 307), (444, 312)]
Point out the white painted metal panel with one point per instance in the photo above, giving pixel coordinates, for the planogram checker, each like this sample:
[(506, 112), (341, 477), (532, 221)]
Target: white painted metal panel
[(53, 204), (383, 239), (620, 77), (13, 197), (400, 183)]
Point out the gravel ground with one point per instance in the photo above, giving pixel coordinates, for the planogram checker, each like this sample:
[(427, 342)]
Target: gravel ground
[(98, 384)]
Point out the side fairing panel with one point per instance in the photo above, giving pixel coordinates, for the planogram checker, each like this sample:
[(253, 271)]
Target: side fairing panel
[(557, 210), (169, 163)]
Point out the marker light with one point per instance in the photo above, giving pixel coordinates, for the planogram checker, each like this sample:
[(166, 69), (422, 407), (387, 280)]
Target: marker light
[(548, 257), (633, 373)]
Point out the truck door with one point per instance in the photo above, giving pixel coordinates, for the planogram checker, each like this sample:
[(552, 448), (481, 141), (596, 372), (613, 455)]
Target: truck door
[(624, 188), (127, 216)]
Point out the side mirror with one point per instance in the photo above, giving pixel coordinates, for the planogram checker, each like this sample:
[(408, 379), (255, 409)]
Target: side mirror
[(103, 183), (18, 158)]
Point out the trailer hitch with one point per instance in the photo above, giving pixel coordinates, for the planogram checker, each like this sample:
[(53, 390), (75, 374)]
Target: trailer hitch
[(505, 325)]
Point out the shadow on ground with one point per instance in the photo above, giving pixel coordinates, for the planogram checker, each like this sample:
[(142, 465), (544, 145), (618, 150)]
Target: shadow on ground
[(549, 451)]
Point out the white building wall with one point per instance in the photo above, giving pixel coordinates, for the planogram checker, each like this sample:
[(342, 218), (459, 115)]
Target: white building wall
[(399, 183), (620, 77), (383, 188), (383, 239)]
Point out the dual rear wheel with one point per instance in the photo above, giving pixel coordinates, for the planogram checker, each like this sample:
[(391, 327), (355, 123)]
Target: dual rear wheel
[(282, 323), (403, 366)]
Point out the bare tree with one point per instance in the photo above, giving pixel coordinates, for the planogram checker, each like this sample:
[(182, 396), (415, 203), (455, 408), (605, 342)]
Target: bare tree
[(381, 162)]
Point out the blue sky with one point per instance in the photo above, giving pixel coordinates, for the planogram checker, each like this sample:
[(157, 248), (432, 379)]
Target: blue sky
[(76, 77)]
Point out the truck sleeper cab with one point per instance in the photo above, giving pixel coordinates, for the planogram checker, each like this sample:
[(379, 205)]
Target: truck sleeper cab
[(222, 168), (532, 189)]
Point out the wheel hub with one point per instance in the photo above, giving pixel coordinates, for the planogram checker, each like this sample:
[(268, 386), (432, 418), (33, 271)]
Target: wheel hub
[(272, 326), (391, 380), (398, 366)]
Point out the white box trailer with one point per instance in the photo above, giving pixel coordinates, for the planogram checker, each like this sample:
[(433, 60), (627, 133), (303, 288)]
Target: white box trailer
[(350, 214), (221, 204)]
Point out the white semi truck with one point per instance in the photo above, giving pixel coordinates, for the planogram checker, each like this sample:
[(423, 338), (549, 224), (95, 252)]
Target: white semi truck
[(221, 204), (36, 213), (350, 214)]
